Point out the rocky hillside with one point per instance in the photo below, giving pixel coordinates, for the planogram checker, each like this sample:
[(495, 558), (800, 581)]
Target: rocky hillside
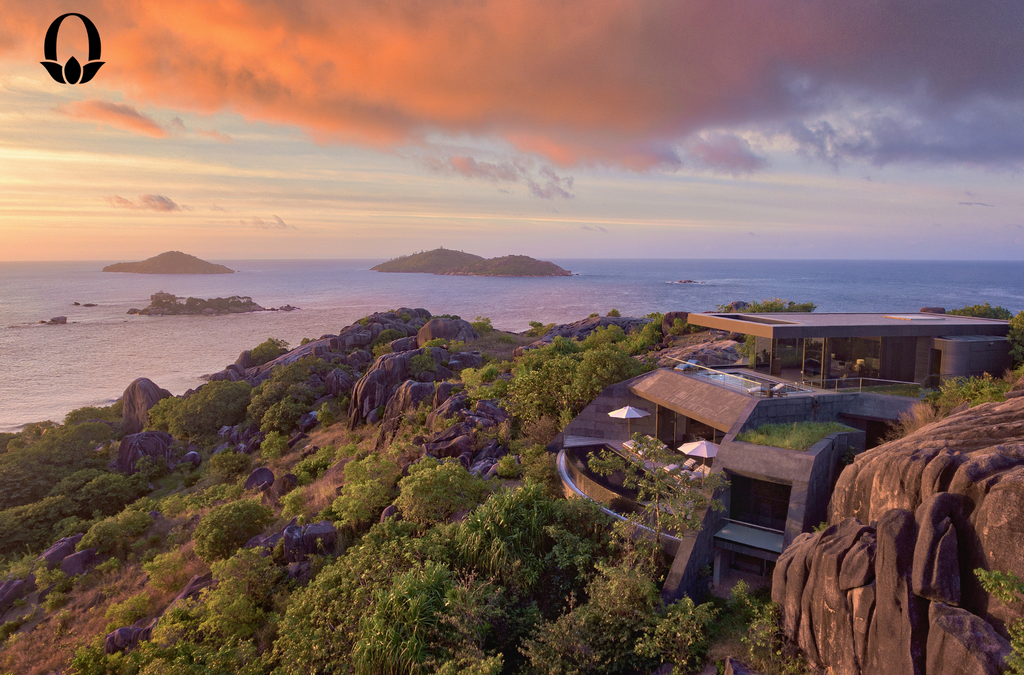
[(890, 585), (171, 262)]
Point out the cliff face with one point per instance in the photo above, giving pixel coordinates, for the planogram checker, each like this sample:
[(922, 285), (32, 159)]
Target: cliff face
[(890, 585)]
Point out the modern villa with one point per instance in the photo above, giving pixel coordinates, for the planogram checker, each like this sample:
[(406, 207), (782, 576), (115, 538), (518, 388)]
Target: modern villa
[(805, 368)]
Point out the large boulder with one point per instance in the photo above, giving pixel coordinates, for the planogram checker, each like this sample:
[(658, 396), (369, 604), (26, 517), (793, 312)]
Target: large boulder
[(153, 444), (449, 329), (138, 398), (261, 479), (669, 318), (12, 590), (61, 549), (78, 563), (381, 381), (300, 542), (338, 382), (900, 596), (128, 638)]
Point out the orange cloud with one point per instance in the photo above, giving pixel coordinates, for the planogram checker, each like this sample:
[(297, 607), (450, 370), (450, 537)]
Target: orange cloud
[(576, 81), (118, 115)]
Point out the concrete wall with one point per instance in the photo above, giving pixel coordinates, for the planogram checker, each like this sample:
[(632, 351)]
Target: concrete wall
[(827, 453), (825, 408), (810, 474), (971, 358)]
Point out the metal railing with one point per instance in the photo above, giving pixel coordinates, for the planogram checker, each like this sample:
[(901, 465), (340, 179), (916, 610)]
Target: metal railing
[(867, 384), (751, 386)]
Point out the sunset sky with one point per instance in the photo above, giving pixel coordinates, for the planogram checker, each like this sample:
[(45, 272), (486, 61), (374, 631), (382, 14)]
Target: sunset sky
[(557, 129)]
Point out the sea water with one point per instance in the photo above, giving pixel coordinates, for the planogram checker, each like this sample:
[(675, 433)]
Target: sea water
[(48, 370)]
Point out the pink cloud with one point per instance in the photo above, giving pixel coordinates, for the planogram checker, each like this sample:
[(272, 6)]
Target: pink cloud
[(118, 115)]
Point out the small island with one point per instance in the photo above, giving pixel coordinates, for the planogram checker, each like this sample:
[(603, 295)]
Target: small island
[(168, 304), (171, 262), (458, 263)]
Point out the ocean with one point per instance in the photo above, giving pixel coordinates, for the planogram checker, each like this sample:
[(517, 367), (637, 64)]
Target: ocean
[(48, 370)]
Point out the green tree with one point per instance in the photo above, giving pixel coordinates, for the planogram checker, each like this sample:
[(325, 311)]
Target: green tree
[(1016, 338), (269, 350), (672, 501)]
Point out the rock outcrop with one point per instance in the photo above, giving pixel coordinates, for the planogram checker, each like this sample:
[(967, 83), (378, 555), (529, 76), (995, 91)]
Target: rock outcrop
[(387, 373), (455, 330), (578, 330), (138, 398), (890, 585), (153, 444)]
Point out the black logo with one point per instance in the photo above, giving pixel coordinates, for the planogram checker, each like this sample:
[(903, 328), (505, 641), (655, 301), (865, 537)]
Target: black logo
[(71, 72)]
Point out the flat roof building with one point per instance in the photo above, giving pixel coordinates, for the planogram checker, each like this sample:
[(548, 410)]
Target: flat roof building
[(900, 347)]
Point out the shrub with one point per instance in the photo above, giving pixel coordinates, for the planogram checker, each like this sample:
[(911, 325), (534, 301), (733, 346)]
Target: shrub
[(325, 416), (314, 466), (127, 612), (386, 336), (197, 418), (1016, 338), (369, 488), (237, 606), (772, 305), (970, 390), (422, 363), (30, 527), (435, 490), (482, 325), (114, 534), (614, 312), (225, 528), (509, 468), (268, 351), (167, 571), (228, 465), (273, 446), (985, 311)]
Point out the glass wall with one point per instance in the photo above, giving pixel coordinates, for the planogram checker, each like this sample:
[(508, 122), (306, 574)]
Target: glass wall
[(814, 363), (853, 357)]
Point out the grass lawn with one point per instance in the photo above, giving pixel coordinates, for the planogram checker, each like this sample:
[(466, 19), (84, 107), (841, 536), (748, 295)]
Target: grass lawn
[(797, 436)]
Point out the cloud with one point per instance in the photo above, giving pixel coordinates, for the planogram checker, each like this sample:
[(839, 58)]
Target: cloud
[(553, 185), (147, 203), (276, 224), (217, 208), (726, 152), (974, 204), (545, 184), (224, 138), (941, 80), (118, 115), (593, 228)]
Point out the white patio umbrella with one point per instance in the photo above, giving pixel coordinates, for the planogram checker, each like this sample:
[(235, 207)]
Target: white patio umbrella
[(702, 448), (629, 413)]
